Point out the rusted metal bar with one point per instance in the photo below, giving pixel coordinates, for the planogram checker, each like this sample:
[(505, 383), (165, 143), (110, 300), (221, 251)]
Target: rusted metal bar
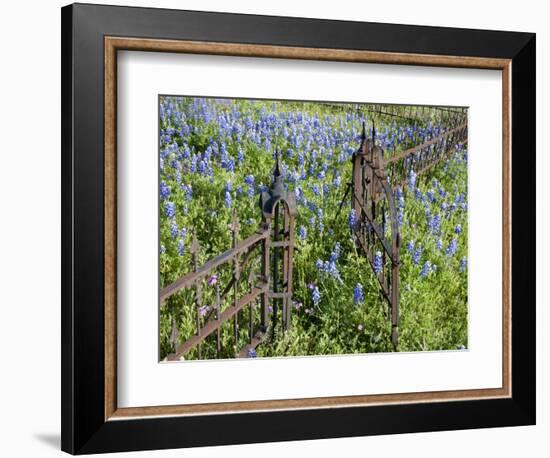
[(290, 250), (258, 338), (251, 310), (218, 319), (212, 326), (195, 247), (235, 228), (266, 277), (395, 296), (275, 268)]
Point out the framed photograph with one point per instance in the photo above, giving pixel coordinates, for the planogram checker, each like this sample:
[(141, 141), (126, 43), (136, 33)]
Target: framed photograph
[(281, 228)]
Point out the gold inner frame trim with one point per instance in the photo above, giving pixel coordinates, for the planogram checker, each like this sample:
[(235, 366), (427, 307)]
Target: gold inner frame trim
[(114, 44)]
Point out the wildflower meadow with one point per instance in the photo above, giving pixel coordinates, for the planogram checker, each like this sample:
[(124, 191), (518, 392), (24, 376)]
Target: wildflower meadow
[(216, 156)]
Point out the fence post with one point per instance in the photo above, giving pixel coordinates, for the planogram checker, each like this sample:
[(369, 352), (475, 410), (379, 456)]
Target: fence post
[(195, 247), (235, 227), (276, 203)]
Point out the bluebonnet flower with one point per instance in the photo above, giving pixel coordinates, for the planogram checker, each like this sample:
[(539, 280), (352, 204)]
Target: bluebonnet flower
[(300, 158), (453, 246), (227, 199), (202, 167), (427, 212), (229, 164), (299, 194), (315, 189), (358, 297), (335, 252), (412, 180), (431, 195), (240, 155), (337, 181), (174, 230), (193, 165), (170, 209), (426, 269), (326, 189), (302, 233), (417, 255), (320, 213), (251, 353), (213, 280), (463, 264), (400, 197), (439, 244), (162, 249), (328, 267), (316, 295), (400, 216), (377, 263), (458, 229), (410, 246), (164, 190), (227, 195), (434, 223), (352, 219), (181, 247)]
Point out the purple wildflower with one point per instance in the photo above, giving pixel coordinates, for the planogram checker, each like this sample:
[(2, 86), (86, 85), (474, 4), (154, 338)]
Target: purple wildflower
[(417, 255), (316, 296), (426, 269), (170, 209), (453, 246), (377, 262), (358, 297), (352, 219)]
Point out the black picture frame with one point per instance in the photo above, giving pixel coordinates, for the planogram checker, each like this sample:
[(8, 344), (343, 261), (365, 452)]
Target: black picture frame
[(84, 428)]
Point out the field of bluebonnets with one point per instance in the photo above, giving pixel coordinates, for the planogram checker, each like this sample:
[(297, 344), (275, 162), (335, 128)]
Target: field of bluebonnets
[(215, 158)]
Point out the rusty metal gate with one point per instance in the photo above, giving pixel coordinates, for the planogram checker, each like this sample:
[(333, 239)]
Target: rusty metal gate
[(375, 179), (376, 230), (273, 243)]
